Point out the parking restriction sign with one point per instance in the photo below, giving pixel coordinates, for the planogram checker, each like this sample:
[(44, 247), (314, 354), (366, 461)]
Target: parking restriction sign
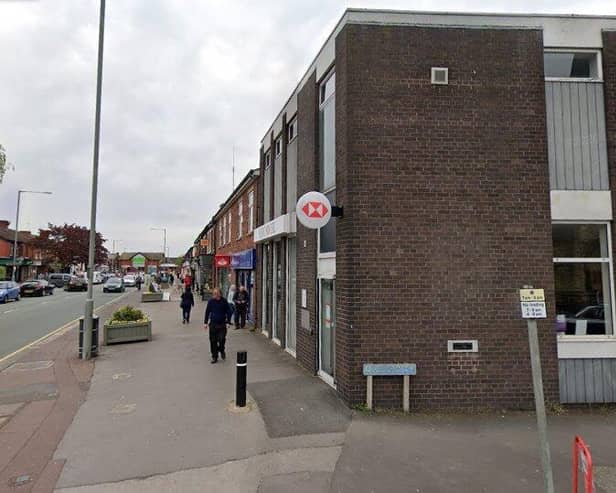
[(532, 302)]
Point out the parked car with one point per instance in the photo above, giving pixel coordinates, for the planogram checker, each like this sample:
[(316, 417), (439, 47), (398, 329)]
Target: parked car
[(130, 281), (114, 284), (36, 287), (59, 280), (592, 317), (97, 278), (76, 283), (9, 290)]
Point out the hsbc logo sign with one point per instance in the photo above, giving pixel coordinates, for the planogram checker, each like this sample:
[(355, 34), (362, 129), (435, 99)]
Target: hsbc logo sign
[(313, 210)]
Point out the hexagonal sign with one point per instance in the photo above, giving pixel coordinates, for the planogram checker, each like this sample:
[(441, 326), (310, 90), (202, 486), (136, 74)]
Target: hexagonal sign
[(313, 210)]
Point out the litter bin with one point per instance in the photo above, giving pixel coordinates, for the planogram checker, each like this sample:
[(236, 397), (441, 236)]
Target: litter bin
[(94, 347)]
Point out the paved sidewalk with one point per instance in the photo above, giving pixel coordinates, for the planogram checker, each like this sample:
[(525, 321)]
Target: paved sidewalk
[(157, 418), (40, 392)]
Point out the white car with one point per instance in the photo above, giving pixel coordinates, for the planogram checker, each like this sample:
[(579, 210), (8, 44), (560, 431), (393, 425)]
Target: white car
[(130, 281)]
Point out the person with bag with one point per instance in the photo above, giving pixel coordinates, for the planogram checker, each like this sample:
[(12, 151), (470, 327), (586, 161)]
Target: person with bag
[(186, 303), (230, 300), (217, 315), (240, 300)]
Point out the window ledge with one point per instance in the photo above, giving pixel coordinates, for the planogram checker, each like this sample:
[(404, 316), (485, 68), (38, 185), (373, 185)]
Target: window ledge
[(599, 346)]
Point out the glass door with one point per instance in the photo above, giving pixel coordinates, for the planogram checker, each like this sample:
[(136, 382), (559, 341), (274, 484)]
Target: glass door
[(327, 332), (291, 289), (277, 294)]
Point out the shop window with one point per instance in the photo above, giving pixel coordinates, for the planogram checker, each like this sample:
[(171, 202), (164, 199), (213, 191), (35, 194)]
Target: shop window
[(582, 278), (571, 65)]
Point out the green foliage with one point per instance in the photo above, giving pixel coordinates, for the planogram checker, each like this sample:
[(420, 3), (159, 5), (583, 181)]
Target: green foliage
[(2, 163), (128, 314)]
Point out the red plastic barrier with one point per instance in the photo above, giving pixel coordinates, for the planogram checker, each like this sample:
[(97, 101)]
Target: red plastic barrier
[(582, 460)]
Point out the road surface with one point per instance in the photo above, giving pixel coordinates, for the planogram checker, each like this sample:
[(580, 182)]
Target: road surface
[(31, 318)]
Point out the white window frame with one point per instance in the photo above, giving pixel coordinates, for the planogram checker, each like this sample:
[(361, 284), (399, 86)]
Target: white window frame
[(599, 77), (268, 159), (240, 219), (292, 126), (594, 260), (278, 146), (229, 226), (251, 209)]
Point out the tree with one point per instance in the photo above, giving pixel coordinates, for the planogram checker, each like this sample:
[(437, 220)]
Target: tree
[(68, 245), (3, 163)]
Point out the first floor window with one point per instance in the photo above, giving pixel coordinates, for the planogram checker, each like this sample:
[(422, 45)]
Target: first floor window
[(240, 220), (583, 277), (251, 207)]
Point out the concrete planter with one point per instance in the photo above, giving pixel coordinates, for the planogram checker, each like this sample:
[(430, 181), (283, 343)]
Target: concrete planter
[(148, 297), (127, 332)]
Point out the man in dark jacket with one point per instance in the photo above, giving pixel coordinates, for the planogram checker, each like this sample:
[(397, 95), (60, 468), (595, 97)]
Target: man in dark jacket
[(188, 301), (240, 298), (217, 314)]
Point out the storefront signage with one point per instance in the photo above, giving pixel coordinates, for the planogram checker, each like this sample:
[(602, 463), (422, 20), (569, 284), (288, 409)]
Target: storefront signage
[(313, 210), (203, 242), (222, 261), (138, 261), (532, 302), (281, 226), (244, 260)]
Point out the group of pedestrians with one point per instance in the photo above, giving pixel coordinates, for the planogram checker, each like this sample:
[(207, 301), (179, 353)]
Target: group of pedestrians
[(218, 314)]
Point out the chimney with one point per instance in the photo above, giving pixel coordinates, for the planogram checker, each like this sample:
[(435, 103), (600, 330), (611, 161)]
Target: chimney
[(4, 224)]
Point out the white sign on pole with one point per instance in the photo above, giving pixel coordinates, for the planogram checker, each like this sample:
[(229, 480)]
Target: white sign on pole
[(532, 302), (313, 210)]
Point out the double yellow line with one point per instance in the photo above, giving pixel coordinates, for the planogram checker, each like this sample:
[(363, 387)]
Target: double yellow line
[(56, 331)]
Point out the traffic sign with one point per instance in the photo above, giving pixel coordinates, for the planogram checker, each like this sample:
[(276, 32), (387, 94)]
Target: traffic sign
[(313, 210), (532, 302)]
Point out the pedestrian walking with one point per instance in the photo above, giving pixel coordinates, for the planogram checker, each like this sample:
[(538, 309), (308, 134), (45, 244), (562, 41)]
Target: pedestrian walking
[(171, 279), (187, 281), (187, 302), (217, 315), (230, 298), (240, 300), (138, 282)]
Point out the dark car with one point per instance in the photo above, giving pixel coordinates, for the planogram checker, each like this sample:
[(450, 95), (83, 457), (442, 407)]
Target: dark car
[(114, 284), (59, 280), (76, 284), (9, 290), (36, 287), (588, 321)]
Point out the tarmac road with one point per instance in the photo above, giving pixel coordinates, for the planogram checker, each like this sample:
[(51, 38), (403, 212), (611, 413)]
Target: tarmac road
[(31, 318)]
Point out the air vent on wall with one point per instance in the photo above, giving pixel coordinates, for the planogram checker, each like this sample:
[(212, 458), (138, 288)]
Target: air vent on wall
[(440, 75), (465, 346)]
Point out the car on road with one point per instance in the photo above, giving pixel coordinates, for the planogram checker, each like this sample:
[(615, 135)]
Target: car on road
[(130, 281), (59, 280), (76, 283), (114, 284), (9, 290), (36, 287)]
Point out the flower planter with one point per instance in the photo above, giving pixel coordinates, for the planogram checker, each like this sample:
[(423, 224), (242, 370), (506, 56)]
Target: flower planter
[(148, 297), (127, 332)]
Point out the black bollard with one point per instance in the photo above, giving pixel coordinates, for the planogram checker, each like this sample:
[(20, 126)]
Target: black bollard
[(240, 379)]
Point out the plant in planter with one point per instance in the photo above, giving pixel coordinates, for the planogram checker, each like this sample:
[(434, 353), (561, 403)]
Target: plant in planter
[(127, 324)]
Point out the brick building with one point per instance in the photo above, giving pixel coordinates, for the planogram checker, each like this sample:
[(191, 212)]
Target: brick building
[(230, 238), (29, 258), (472, 155), (132, 262)]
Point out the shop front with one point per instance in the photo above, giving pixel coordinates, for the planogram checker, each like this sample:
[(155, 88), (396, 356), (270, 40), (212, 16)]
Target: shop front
[(244, 264), (222, 264)]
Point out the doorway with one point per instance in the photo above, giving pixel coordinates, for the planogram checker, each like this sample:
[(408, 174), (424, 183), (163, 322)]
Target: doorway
[(327, 330)]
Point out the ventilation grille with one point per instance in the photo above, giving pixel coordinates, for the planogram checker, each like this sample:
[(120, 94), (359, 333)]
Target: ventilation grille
[(440, 75), (465, 346)]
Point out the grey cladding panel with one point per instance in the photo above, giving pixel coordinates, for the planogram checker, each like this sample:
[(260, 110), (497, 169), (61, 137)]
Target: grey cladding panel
[(587, 380), (577, 149), (267, 191), (278, 186), (291, 175)]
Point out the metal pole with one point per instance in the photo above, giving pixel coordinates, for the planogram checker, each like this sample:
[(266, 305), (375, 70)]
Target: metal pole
[(240, 378), (164, 245), (535, 361), (89, 311), (13, 276)]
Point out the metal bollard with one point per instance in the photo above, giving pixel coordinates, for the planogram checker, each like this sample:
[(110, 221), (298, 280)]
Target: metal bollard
[(240, 379)]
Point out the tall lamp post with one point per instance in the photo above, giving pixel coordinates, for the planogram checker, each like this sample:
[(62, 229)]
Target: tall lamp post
[(164, 230), (88, 320), (19, 192)]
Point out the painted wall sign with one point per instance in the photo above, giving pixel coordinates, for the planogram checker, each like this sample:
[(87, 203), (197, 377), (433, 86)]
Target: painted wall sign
[(313, 210)]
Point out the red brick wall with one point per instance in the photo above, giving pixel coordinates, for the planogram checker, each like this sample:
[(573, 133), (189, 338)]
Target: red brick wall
[(446, 212), (5, 248)]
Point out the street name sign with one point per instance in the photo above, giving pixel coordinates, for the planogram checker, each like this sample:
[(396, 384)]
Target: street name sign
[(313, 210), (532, 302)]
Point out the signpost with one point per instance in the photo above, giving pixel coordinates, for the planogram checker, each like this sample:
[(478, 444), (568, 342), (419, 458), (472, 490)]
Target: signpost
[(532, 302), (313, 210)]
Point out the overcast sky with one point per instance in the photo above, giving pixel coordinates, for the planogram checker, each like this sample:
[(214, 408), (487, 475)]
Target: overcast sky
[(184, 82)]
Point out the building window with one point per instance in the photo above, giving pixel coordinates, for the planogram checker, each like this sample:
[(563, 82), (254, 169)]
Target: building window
[(582, 277), (221, 232), (240, 219), (583, 64), (327, 157), (278, 146), (229, 227), (251, 210), (292, 130), (268, 159)]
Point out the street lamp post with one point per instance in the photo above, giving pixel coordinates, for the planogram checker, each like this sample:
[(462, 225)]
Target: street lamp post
[(19, 192), (164, 230), (88, 320)]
